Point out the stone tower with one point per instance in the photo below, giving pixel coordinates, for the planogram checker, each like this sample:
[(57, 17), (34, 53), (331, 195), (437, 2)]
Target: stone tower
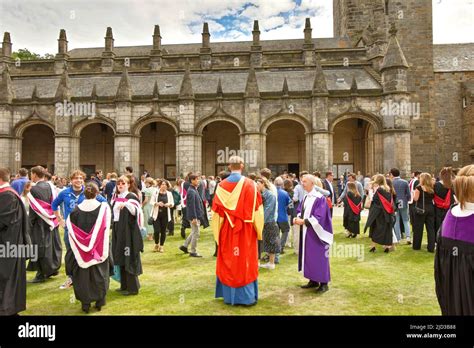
[(357, 19)]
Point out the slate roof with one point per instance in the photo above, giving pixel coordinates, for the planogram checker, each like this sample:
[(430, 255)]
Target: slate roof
[(202, 82)]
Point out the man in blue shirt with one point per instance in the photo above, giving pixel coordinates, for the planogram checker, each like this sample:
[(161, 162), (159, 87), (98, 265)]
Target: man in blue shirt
[(19, 184), (284, 201), (402, 189), (70, 197)]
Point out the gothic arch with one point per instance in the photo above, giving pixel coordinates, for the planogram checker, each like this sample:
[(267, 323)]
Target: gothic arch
[(79, 126), (286, 116), (216, 116), (372, 119), (152, 118)]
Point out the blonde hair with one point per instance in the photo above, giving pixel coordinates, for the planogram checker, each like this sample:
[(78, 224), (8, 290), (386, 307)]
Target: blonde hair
[(426, 182), (264, 181), (380, 181), (464, 185), (351, 187)]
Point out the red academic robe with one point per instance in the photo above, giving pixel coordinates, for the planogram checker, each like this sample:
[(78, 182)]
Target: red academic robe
[(237, 223)]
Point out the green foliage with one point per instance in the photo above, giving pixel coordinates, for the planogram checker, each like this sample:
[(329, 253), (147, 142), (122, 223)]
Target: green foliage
[(25, 54)]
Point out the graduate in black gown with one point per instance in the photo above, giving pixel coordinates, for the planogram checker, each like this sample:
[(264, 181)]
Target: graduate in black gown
[(454, 258), (88, 259), (127, 241), (381, 217), (443, 196), (352, 210), (14, 229), (44, 228)]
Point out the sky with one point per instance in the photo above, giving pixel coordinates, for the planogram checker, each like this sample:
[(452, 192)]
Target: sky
[(35, 24)]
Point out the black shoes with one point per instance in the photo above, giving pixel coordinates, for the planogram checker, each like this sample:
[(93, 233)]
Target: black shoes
[(386, 250), (310, 285), (195, 255), (372, 250), (323, 288), (86, 308), (183, 249), (39, 278), (183, 234)]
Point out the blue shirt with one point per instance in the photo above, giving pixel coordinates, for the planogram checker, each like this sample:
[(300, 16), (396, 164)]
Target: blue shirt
[(19, 184), (283, 202), (269, 206), (70, 200)]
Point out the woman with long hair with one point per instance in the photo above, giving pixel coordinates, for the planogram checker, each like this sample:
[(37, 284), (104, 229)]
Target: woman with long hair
[(443, 196), (147, 207), (352, 210), (162, 202), (127, 241), (381, 214), (424, 212)]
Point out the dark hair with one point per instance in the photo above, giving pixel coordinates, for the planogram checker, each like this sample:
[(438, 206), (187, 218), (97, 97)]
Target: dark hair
[(395, 172), (223, 174), (91, 190), (328, 173), (390, 185), (133, 185), (304, 172), (23, 172), (97, 172), (5, 174), (317, 174), (192, 177), (129, 169), (48, 175), (417, 172), (39, 171), (252, 176), (446, 174)]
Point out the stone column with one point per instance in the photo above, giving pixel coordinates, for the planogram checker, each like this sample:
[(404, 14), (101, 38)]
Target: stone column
[(62, 155)]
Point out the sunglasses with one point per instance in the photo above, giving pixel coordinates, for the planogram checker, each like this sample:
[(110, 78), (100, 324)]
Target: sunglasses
[(120, 184)]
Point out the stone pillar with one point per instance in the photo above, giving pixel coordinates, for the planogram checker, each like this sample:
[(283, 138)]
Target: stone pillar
[(188, 144), (62, 155), (254, 146), (396, 145), (321, 151), (8, 156), (124, 146)]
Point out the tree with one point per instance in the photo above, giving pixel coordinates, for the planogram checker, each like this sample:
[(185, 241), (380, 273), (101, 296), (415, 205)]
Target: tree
[(25, 54)]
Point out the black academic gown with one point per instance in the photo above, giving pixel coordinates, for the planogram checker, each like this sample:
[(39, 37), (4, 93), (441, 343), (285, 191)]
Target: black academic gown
[(48, 242), (352, 220), (454, 275), (14, 230), (379, 222), (90, 284), (440, 213), (127, 241)]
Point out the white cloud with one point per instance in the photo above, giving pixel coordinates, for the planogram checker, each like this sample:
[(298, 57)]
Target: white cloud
[(35, 24)]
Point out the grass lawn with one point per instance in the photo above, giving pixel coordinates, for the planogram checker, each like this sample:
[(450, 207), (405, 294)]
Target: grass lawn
[(398, 283)]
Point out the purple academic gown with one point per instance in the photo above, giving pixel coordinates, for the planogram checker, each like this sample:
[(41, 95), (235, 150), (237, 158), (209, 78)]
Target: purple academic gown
[(313, 261)]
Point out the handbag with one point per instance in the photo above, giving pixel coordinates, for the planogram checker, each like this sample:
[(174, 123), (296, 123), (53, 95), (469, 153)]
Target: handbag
[(150, 220), (418, 210)]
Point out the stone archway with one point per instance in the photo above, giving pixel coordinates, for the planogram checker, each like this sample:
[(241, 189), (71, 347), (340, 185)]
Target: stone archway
[(158, 149), (220, 140), (96, 148), (37, 146), (286, 146), (356, 144)]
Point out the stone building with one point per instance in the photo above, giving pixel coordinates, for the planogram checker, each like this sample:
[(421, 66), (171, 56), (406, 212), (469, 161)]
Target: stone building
[(377, 95)]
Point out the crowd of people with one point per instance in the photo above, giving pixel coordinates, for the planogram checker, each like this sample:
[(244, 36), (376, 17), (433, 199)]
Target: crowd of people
[(255, 218)]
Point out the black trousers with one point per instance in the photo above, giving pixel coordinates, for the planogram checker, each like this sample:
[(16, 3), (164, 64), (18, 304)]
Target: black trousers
[(128, 281), (159, 227), (171, 222), (419, 222)]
